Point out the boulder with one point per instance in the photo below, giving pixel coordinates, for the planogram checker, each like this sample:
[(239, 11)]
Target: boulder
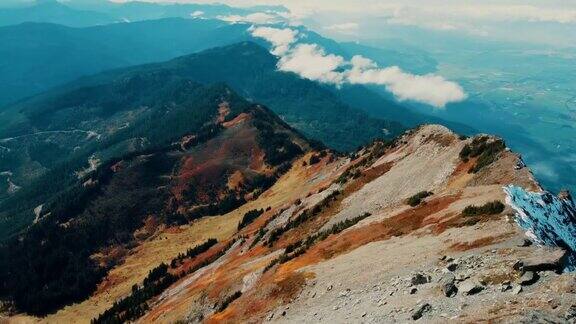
[(420, 279), (452, 266), (524, 243), (470, 287), (528, 278), (447, 285), (505, 286), (544, 259), (421, 310)]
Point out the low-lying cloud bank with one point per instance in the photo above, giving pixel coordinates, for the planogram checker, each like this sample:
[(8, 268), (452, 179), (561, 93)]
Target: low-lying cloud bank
[(312, 62), (255, 18)]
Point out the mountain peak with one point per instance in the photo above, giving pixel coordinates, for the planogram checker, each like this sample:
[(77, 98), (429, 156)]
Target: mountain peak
[(240, 51), (341, 211), (41, 2), (49, 4)]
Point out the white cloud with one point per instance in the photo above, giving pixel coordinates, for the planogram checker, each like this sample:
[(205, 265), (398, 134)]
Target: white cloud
[(561, 11), (508, 20), (312, 62), (429, 88), (197, 13), (433, 24), (473, 18), (295, 16), (514, 12), (259, 18), (292, 18), (281, 39)]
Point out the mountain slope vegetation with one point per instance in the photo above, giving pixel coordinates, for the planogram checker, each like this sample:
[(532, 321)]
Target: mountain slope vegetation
[(96, 118), (298, 251), (207, 152)]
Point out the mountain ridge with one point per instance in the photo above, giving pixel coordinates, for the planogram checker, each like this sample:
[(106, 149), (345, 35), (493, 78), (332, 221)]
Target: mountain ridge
[(232, 156), (312, 234), (90, 115)]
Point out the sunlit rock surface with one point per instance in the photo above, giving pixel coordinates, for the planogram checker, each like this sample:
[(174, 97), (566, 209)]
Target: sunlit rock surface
[(548, 219)]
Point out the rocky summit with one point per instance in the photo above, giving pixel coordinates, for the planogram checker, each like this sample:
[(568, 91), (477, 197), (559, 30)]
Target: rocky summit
[(353, 238)]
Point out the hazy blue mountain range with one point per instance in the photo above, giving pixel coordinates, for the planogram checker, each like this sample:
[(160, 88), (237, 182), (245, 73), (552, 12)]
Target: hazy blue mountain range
[(506, 80), (341, 117), (100, 117), (38, 56), (83, 13), (51, 11)]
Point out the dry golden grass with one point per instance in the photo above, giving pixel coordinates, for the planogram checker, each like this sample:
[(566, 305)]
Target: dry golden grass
[(166, 245), (293, 185), (162, 248), (460, 177)]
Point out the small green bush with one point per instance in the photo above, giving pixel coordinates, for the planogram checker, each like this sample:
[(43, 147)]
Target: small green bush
[(417, 198), (466, 150), (228, 300), (484, 150), (249, 217), (491, 208)]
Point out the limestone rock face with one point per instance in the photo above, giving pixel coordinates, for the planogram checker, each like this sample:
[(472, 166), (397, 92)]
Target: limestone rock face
[(548, 220)]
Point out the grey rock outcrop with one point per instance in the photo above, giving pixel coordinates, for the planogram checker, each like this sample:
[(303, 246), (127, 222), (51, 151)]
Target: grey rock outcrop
[(421, 310), (470, 287), (447, 285)]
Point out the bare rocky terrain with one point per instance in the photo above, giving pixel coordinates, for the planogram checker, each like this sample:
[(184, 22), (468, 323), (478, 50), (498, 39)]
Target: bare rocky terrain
[(340, 241)]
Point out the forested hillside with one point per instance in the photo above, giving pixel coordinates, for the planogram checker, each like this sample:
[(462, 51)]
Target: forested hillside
[(103, 116), (193, 151)]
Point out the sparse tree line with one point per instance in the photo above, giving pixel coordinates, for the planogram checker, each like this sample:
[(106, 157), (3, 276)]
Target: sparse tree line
[(249, 217), (489, 208), (227, 301), (374, 152), (158, 280), (298, 248), (304, 216), (486, 151)]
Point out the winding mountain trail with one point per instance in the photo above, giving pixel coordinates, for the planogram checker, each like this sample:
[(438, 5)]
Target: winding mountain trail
[(8, 139)]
